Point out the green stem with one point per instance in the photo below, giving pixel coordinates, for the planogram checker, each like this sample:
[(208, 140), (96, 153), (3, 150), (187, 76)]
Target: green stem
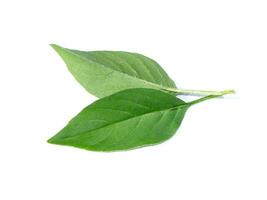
[(199, 92), (211, 97)]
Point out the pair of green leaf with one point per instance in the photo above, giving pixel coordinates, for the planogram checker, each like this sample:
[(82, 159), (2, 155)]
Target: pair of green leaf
[(138, 107)]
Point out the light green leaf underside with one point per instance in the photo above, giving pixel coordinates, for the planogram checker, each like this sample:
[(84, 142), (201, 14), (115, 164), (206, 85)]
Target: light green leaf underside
[(128, 119), (106, 72)]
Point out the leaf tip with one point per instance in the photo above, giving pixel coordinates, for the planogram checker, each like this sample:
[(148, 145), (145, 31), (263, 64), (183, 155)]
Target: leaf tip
[(55, 46), (60, 50), (53, 140), (50, 140)]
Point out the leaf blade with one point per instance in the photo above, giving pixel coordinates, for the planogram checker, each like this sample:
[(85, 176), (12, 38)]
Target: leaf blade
[(106, 72), (126, 120)]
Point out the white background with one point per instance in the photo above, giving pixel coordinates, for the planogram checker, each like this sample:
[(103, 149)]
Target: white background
[(220, 150)]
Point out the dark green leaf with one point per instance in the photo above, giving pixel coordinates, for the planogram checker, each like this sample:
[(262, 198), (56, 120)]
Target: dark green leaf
[(106, 72), (125, 120)]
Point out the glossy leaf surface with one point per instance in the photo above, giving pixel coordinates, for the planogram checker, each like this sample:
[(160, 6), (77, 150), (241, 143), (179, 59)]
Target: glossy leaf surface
[(128, 119)]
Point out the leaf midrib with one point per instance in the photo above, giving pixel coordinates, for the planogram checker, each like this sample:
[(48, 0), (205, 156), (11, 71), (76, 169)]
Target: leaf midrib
[(147, 82), (117, 122)]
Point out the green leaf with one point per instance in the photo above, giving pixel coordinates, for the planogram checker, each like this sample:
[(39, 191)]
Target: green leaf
[(106, 72), (125, 120)]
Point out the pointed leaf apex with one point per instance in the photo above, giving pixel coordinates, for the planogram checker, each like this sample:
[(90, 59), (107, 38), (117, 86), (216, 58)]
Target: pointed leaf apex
[(51, 140), (55, 46)]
